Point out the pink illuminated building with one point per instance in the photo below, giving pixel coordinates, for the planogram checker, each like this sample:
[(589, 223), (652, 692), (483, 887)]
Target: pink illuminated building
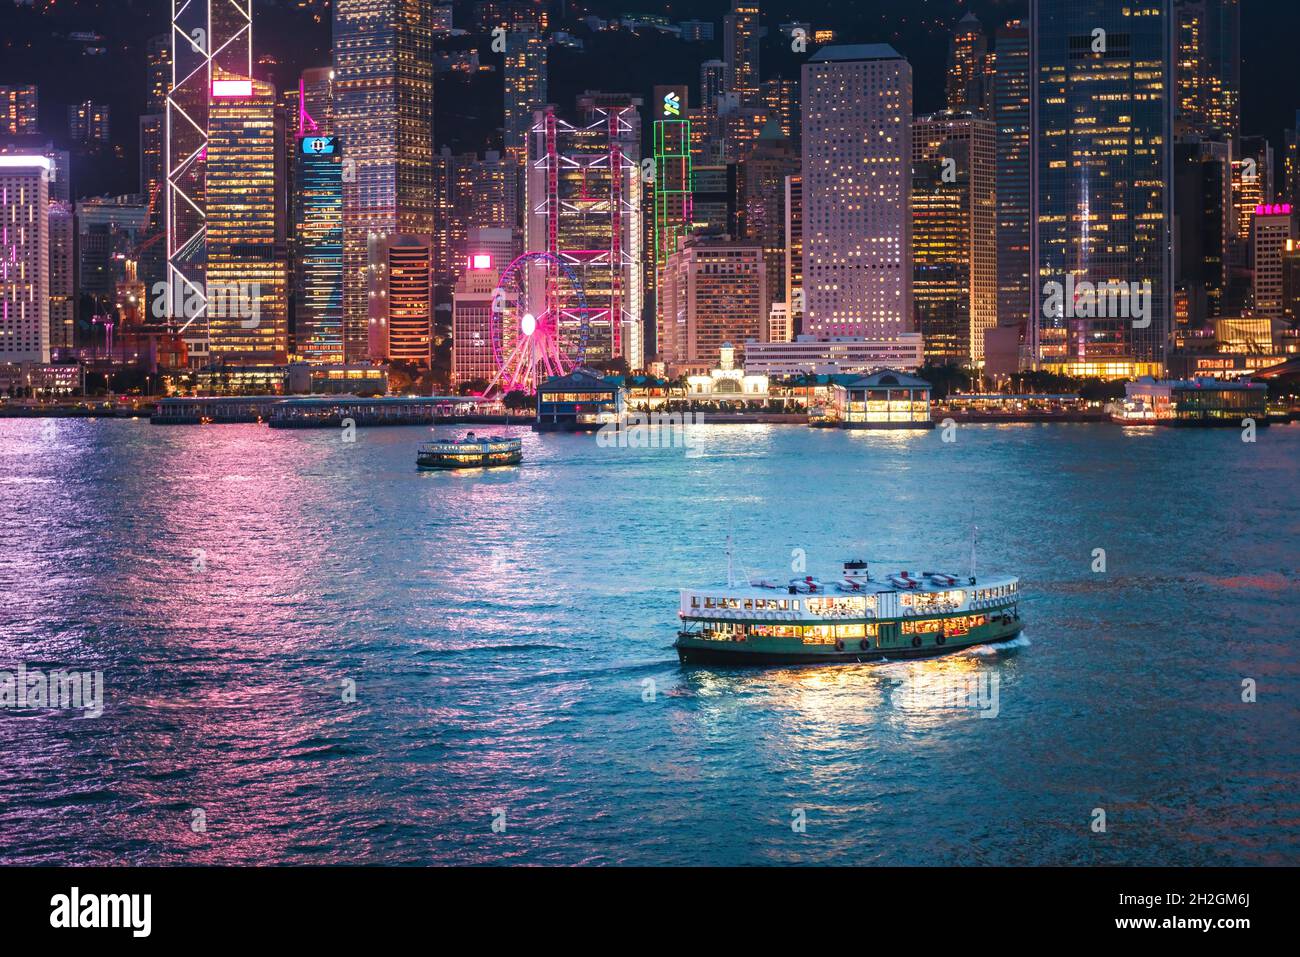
[(584, 207), (24, 259)]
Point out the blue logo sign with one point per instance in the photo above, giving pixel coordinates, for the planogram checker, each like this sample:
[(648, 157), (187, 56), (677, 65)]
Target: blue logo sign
[(318, 145)]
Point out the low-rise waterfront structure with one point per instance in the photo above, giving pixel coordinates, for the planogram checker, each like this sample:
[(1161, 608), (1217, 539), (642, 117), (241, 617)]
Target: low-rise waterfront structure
[(888, 399), (577, 402), (833, 355), (1203, 402)]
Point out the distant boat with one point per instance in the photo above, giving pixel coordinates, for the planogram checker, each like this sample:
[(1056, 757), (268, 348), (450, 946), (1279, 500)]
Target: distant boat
[(470, 452), (857, 618)]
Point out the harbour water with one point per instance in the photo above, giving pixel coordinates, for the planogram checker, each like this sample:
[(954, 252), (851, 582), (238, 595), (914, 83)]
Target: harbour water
[(507, 637)]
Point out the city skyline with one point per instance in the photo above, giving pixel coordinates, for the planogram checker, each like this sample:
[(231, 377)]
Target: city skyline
[(1015, 236)]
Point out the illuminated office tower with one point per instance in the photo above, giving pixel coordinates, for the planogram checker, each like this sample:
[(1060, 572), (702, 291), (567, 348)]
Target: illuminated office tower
[(770, 163), (247, 247), (674, 183), (740, 126), (968, 54), (89, 123), (383, 113), (318, 244), (954, 234), (18, 110), (1252, 181), (707, 144), (794, 293), (1272, 230), (1101, 137), (442, 19), (713, 82), (152, 265), (472, 355), (857, 154), (1207, 42), (740, 43), (1011, 116), (499, 242), (525, 89), (315, 102), (25, 258), (401, 298), (483, 194), (584, 208), (715, 293), (781, 101), (158, 64), (212, 51), (63, 298), (1291, 162)]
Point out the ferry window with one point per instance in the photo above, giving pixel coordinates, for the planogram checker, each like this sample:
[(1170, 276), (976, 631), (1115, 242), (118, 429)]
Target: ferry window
[(749, 604), (695, 601)]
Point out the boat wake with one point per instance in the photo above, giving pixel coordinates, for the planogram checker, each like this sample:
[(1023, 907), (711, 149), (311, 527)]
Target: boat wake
[(1020, 641)]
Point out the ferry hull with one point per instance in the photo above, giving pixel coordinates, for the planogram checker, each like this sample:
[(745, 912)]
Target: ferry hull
[(432, 464), (701, 651)]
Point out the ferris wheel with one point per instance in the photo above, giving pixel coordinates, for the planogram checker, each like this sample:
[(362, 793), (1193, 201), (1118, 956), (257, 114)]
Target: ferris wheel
[(539, 334)]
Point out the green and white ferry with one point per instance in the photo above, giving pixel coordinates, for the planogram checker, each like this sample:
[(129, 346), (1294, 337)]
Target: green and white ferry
[(857, 618), (471, 452)]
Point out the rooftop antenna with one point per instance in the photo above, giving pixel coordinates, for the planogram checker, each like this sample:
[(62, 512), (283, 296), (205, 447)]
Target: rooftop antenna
[(974, 531)]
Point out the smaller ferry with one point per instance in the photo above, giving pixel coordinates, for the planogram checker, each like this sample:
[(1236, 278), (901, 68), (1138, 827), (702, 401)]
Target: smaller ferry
[(470, 452), (856, 618)]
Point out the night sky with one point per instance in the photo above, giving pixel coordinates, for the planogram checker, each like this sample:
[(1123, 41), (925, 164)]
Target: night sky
[(36, 48)]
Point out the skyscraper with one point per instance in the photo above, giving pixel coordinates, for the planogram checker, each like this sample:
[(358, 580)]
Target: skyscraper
[(217, 58), (740, 41), (18, 110), (715, 293), (584, 208), (247, 243), (89, 123), (318, 242), (472, 354), (1101, 228), (954, 234), (63, 287), (525, 89), (967, 63), (401, 298), (1205, 225), (1208, 68), (1011, 116), (25, 259), (770, 163), (857, 154), (674, 185), (781, 101), (794, 294), (383, 113), (1271, 230)]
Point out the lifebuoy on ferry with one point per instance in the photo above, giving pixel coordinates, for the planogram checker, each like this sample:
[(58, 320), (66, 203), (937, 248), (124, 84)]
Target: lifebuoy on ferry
[(940, 640), (916, 641), (839, 644), (864, 644)]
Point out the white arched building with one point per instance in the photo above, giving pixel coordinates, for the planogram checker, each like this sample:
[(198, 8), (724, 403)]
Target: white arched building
[(728, 382)]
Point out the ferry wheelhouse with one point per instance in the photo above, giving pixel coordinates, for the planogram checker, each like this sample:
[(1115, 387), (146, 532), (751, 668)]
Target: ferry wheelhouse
[(855, 618), (471, 452)]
